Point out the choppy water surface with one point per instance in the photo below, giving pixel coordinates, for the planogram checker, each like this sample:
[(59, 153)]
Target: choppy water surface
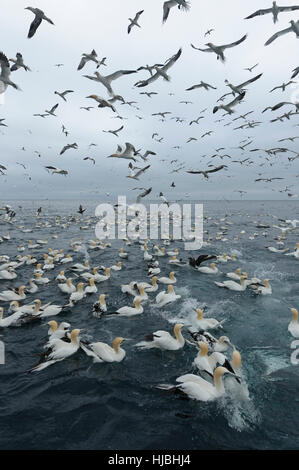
[(76, 404)]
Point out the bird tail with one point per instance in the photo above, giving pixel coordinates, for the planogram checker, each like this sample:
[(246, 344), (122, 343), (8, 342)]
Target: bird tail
[(166, 387), (219, 284)]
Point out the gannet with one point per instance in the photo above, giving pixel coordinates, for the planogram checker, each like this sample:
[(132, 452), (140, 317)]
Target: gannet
[(207, 363), (275, 10), (264, 289), (232, 285), (181, 4), (130, 311), (206, 323), (100, 306), (67, 287), (163, 340), (294, 253), (107, 80), (39, 17), (5, 74), (293, 327), (134, 21), (197, 388), (206, 270), (19, 63), (122, 254), (9, 295), (91, 289), (58, 351), (8, 274), (164, 298), (219, 50), (142, 295), (102, 352), (17, 318), (41, 280), (77, 295), (168, 280), (293, 28), (129, 288), (117, 266)]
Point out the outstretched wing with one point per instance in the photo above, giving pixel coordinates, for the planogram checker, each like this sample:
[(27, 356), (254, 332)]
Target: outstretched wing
[(119, 73), (250, 81), (237, 99), (166, 8), (259, 13), (277, 35), (34, 25), (233, 44)]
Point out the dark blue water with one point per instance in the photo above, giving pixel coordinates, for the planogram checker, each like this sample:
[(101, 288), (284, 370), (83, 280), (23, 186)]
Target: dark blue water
[(76, 404)]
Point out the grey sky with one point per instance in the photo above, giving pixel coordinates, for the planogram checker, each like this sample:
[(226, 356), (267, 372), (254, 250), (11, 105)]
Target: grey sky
[(81, 26)]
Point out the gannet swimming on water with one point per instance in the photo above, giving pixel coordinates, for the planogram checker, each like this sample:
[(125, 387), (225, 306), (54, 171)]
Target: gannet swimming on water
[(276, 250), (206, 270), (235, 276), (78, 267), (168, 280), (102, 278), (163, 340), (39, 17), (41, 280), (56, 331), (58, 351), (130, 311), (294, 253), (17, 318), (293, 327), (91, 289), (117, 266), (8, 274), (61, 277), (77, 295), (232, 285), (206, 323), (220, 345), (142, 295), (207, 363), (149, 287), (197, 388), (8, 295), (32, 287), (67, 287), (164, 298), (102, 352), (67, 259), (100, 306), (122, 254), (129, 288), (264, 289)]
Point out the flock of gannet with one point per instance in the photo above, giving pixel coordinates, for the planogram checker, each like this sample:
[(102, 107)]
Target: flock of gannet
[(54, 269), (160, 70)]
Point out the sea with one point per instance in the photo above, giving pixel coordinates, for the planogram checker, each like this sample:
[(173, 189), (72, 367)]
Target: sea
[(78, 404)]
